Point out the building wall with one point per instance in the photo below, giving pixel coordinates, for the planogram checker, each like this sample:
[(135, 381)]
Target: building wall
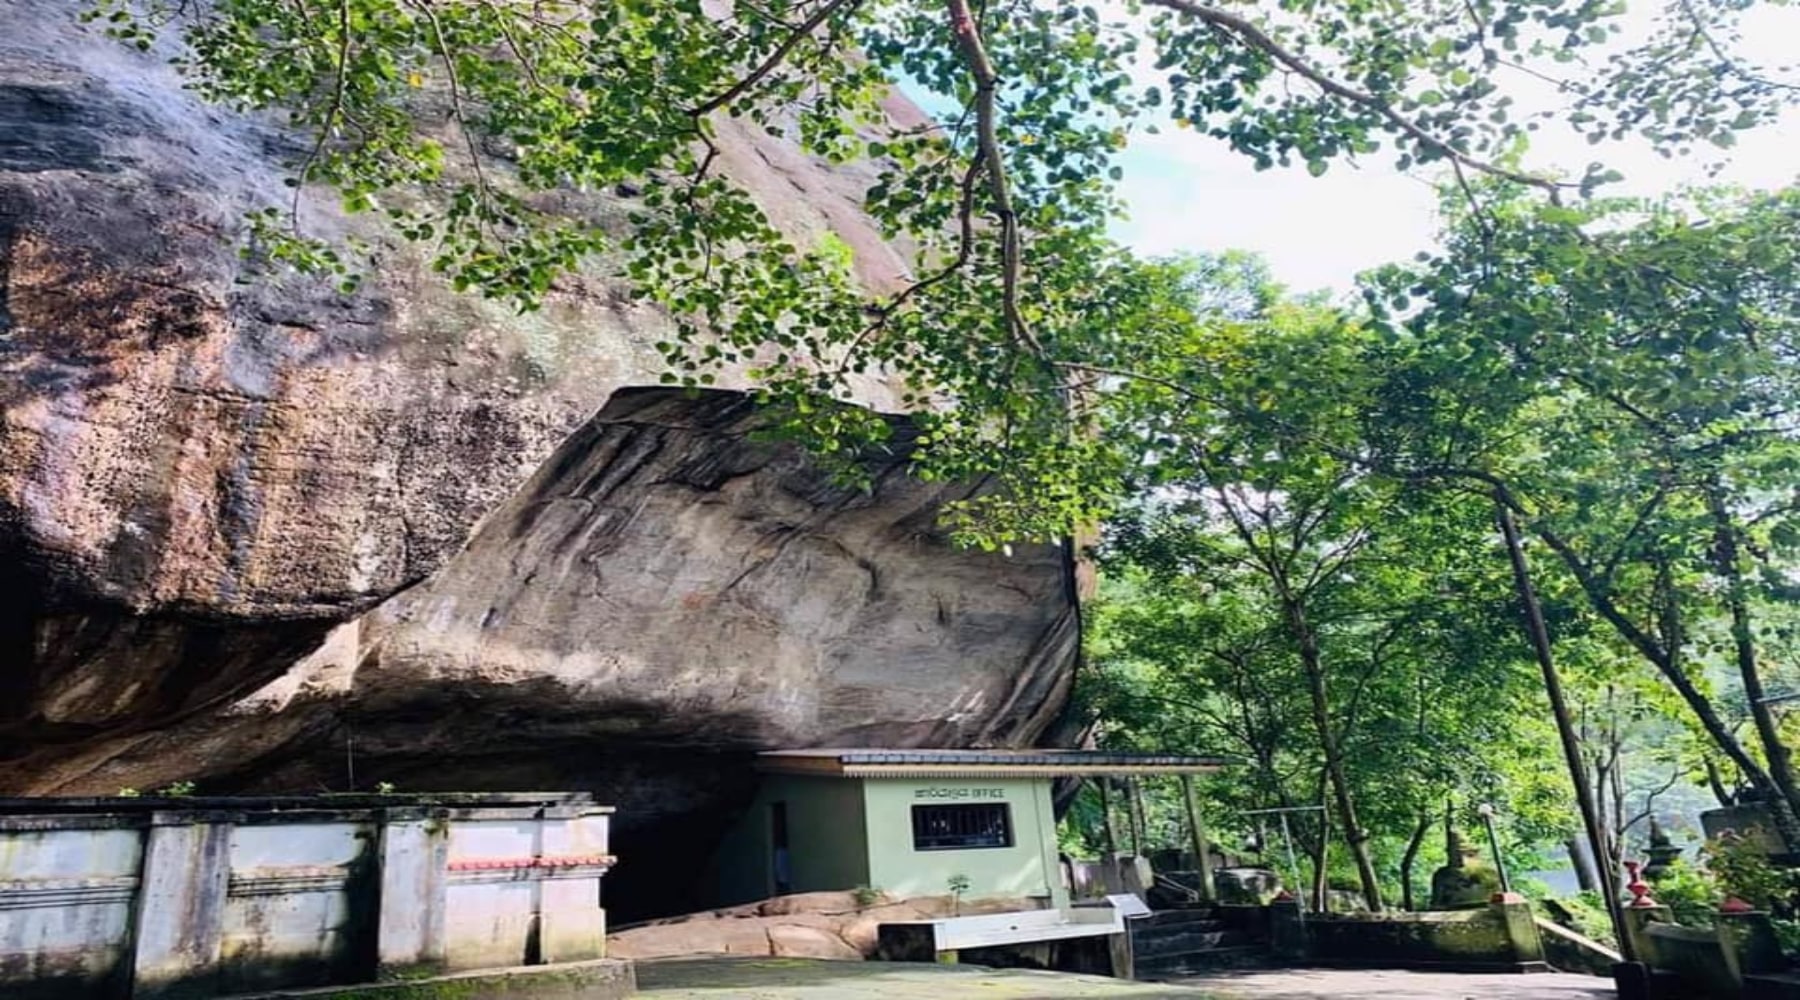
[(1028, 868), (826, 839), (199, 897)]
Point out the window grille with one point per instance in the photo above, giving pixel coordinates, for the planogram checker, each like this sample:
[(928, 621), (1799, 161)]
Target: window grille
[(961, 827)]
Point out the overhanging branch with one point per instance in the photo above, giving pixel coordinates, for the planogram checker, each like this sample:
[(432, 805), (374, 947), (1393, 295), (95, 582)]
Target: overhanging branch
[(967, 33), (1250, 34)]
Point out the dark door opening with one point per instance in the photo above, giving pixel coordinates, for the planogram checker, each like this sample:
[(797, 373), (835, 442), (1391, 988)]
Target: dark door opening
[(780, 863)]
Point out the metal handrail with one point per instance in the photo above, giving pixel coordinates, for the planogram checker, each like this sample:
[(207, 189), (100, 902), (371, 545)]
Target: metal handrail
[(1193, 896)]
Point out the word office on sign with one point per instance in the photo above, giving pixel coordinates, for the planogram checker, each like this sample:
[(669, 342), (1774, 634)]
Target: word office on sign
[(959, 793)]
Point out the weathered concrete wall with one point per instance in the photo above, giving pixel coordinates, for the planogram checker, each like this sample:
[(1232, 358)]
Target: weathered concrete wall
[(66, 893), (205, 897), (1499, 936), (1718, 961), (1028, 867)]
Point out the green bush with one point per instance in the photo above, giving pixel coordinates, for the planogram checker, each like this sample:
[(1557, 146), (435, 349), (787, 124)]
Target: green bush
[(1788, 933), (1586, 915), (1744, 871), (1691, 894)]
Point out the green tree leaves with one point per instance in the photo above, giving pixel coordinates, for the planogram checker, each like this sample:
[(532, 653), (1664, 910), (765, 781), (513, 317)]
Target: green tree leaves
[(464, 122)]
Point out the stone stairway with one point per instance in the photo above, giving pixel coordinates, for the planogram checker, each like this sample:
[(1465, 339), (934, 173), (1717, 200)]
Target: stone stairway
[(1169, 944), (1772, 986)]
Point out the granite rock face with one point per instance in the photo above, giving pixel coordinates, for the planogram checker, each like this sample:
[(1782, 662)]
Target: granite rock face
[(260, 535)]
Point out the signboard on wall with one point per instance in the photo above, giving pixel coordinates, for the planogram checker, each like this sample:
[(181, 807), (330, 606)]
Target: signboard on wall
[(945, 794)]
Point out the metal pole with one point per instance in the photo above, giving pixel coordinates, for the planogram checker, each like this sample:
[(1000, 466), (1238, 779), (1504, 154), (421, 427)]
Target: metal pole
[(1287, 838), (1286, 834), (1487, 819)]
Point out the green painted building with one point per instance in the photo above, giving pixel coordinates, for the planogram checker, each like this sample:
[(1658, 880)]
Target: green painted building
[(907, 822)]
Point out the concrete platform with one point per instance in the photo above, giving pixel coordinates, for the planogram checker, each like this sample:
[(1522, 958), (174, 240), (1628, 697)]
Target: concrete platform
[(599, 979), (814, 979), (1386, 984), (811, 979)]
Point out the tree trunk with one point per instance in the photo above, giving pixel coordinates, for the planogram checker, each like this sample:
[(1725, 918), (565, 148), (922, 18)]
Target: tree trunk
[(1407, 859), (1539, 634), (1321, 902), (1197, 834), (1727, 561), (1134, 805), (1354, 836), (1666, 657), (1583, 862), (1617, 861), (1609, 793), (1106, 818), (1717, 784)]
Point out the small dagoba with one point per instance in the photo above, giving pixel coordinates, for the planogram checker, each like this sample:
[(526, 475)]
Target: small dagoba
[(1461, 884), (1662, 852)]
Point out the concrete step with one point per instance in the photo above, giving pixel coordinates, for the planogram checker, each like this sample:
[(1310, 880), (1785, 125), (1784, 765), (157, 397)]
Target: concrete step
[(1194, 962), (1772, 986), (1188, 943), (1171, 918), (1148, 932)]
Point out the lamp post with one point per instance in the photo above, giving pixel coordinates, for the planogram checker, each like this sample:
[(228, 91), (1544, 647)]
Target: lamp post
[(1487, 820)]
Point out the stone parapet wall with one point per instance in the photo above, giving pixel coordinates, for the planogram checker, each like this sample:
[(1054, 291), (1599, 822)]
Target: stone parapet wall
[(1725, 960), (202, 897), (1498, 937)]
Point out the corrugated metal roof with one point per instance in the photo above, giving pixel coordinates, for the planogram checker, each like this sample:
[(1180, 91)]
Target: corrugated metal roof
[(858, 762)]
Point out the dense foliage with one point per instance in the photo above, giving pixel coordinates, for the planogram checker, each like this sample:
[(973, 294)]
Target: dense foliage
[(460, 120), (1300, 494), (1618, 378)]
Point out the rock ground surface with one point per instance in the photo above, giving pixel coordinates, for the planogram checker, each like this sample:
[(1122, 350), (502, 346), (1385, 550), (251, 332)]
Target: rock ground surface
[(831, 925)]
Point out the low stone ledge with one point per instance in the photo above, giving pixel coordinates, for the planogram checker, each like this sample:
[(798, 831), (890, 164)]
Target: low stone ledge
[(1456, 966), (600, 979)]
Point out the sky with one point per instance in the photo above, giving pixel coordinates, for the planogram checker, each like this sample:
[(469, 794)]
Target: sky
[(1187, 192)]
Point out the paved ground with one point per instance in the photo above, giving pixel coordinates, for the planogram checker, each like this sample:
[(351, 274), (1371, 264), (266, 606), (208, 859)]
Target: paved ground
[(808, 979), (1343, 984)]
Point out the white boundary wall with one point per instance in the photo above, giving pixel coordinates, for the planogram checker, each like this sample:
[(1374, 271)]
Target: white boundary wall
[(170, 898)]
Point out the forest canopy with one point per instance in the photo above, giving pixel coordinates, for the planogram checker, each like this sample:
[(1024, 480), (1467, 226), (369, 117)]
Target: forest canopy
[(1021, 316), (1299, 496)]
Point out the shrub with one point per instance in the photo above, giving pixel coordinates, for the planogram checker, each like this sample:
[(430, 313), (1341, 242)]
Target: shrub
[(1584, 913), (1744, 871), (1692, 894), (957, 884)]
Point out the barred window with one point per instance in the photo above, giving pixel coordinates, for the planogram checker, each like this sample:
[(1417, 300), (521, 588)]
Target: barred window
[(961, 827)]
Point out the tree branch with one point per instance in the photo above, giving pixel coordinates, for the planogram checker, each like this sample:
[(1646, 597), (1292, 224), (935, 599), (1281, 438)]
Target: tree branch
[(1650, 802), (456, 102), (1727, 61), (774, 60), (987, 132), (332, 113), (1255, 37)]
